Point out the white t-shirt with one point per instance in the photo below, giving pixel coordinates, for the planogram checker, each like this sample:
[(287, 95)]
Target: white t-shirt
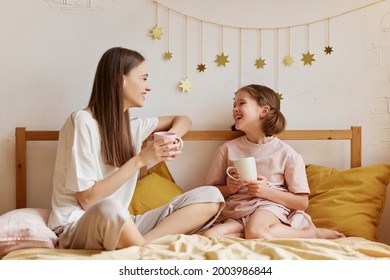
[(79, 164)]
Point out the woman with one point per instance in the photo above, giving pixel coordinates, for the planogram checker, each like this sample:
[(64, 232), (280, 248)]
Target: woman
[(98, 160)]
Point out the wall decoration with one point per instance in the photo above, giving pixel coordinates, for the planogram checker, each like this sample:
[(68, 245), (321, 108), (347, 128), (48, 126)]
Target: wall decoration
[(167, 55), (186, 84), (288, 60), (328, 49), (201, 67), (308, 57), (156, 32), (222, 59), (260, 62)]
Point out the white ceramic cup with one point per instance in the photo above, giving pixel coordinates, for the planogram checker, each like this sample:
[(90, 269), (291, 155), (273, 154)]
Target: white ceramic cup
[(171, 135), (245, 167)]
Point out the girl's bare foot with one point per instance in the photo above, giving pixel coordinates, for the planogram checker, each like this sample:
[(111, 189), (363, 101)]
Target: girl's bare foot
[(325, 233)]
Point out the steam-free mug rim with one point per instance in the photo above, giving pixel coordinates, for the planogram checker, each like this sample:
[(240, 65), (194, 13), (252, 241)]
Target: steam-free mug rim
[(165, 133)]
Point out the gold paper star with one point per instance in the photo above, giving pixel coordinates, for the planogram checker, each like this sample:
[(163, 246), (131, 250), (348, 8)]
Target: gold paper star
[(201, 67), (167, 56), (308, 58), (328, 50), (222, 59), (288, 60), (185, 85), (280, 95), (156, 33), (260, 63)]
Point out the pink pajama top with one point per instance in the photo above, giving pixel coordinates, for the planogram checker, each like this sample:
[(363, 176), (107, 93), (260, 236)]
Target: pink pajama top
[(283, 167)]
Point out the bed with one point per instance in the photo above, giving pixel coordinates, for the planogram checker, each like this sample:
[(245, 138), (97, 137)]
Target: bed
[(349, 200)]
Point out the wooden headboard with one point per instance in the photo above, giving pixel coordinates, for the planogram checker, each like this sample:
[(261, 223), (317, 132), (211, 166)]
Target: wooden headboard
[(22, 136)]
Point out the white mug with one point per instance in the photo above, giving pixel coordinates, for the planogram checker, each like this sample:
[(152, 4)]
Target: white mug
[(245, 167), (166, 134)]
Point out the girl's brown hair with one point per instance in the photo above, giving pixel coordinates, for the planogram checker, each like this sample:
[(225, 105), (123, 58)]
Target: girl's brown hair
[(274, 122), (106, 103)]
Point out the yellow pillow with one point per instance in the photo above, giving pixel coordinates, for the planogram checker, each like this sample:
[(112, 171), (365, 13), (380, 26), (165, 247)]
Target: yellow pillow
[(350, 201), (161, 169), (154, 190)]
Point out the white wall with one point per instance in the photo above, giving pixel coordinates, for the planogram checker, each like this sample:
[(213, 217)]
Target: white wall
[(49, 51)]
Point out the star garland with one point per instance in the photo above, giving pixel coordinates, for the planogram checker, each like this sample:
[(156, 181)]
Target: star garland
[(308, 57), (260, 62), (328, 49), (222, 59), (288, 60), (277, 66), (185, 84), (156, 32), (201, 67), (167, 54)]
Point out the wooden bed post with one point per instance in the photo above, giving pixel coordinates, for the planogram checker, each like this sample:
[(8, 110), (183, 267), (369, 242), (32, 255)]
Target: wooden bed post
[(21, 137), (20, 167), (356, 143)]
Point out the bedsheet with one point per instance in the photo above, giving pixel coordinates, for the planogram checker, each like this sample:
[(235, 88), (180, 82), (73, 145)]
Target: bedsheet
[(198, 247)]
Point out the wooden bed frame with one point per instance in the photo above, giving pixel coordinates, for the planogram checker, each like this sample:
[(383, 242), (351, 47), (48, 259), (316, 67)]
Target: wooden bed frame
[(22, 136)]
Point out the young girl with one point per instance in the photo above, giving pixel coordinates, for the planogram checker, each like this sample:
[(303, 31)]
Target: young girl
[(271, 206), (98, 160)]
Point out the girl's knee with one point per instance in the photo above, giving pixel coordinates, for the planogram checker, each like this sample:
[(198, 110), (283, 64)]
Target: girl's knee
[(256, 233)]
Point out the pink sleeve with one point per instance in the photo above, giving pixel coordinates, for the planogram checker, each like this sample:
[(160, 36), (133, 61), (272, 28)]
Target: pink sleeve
[(216, 175), (295, 175)]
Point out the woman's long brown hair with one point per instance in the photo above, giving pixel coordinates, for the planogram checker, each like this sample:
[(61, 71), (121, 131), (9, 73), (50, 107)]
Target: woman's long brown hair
[(106, 103)]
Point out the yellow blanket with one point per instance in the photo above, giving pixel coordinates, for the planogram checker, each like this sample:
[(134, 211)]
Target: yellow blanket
[(197, 247)]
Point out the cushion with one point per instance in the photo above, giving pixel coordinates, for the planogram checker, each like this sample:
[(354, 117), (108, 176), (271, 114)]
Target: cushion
[(350, 201), (161, 169), (25, 228), (154, 190)]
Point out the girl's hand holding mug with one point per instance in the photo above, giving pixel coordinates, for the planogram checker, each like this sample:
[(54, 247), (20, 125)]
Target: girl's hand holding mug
[(246, 169), (233, 185), (259, 187)]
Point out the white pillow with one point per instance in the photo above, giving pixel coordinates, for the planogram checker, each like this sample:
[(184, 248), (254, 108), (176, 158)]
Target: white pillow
[(25, 228)]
